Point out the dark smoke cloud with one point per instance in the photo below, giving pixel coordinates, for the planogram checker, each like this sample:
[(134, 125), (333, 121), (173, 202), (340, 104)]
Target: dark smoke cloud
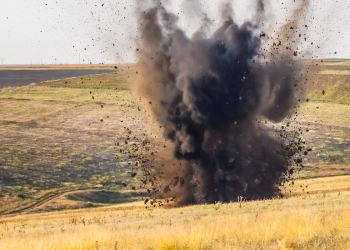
[(216, 97)]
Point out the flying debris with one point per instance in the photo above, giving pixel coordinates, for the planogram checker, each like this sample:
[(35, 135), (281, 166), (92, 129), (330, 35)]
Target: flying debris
[(217, 97)]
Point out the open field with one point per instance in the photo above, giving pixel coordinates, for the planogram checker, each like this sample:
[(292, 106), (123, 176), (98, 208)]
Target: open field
[(315, 216), (330, 64), (16, 78), (304, 222), (56, 140), (326, 129), (59, 137), (81, 199), (68, 146), (336, 68), (335, 62), (120, 79), (336, 87)]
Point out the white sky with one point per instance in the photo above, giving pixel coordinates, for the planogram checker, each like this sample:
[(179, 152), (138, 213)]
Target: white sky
[(35, 31)]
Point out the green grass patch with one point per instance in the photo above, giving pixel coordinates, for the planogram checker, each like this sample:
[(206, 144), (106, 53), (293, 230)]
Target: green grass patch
[(335, 69)]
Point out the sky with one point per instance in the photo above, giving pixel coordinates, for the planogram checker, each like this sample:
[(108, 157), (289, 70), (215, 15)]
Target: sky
[(105, 31)]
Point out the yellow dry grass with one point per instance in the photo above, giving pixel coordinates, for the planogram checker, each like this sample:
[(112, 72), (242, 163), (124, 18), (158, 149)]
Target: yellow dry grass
[(319, 186), (313, 222)]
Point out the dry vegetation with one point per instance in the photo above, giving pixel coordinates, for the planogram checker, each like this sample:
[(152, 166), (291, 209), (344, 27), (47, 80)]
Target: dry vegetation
[(336, 87), (116, 80), (54, 142), (57, 139), (306, 222), (326, 129)]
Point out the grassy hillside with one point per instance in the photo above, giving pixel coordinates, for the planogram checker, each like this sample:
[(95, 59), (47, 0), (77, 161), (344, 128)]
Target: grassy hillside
[(71, 134), (316, 221), (60, 138), (87, 133), (325, 127), (336, 88)]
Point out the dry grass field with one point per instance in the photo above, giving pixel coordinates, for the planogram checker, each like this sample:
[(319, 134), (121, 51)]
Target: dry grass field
[(61, 136), (318, 221)]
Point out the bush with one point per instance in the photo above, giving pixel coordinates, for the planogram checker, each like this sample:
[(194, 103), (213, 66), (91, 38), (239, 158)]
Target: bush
[(21, 196)]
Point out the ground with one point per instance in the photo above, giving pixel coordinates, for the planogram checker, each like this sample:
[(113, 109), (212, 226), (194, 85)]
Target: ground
[(22, 76), (303, 222), (61, 136)]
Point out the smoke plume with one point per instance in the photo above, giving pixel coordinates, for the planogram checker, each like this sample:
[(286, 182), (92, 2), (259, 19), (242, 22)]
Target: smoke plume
[(218, 98)]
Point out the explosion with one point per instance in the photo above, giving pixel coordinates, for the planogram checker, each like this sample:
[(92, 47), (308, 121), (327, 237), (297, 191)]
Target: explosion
[(219, 98)]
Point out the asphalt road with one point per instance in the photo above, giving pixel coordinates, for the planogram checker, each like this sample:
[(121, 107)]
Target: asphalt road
[(16, 78)]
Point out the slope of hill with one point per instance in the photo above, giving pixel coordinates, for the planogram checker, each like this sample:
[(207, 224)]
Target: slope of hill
[(336, 87), (58, 136), (71, 134), (318, 221)]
